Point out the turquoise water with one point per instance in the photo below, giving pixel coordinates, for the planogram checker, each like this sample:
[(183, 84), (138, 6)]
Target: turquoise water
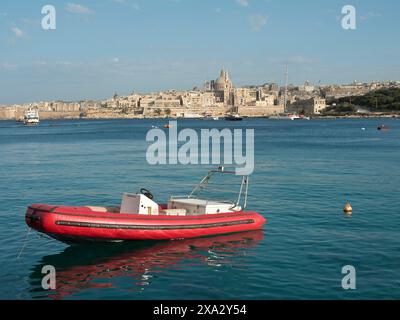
[(305, 173)]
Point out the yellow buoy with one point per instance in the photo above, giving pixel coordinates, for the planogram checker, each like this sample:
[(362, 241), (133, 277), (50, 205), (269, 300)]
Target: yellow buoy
[(348, 209)]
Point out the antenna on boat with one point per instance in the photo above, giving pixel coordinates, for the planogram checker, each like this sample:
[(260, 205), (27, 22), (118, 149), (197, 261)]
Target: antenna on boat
[(286, 87), (202, 183), (244, 190), (246, 193)]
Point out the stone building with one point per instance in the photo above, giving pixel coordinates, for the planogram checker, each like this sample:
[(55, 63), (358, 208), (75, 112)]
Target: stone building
[(341, 91), (318, 105), (310, 106), (257, 101), (222, 88)]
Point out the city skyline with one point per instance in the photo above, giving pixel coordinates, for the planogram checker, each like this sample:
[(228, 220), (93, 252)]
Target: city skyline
[(149, 46)]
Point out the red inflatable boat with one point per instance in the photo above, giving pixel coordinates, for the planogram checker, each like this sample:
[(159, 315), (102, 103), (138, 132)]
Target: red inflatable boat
[(140, 218)]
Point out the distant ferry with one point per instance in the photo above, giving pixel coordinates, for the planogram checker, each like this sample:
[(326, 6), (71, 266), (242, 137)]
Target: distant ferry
[(31, 117)]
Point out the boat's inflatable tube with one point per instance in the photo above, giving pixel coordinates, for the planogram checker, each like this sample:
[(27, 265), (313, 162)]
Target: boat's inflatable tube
[(78, 224)]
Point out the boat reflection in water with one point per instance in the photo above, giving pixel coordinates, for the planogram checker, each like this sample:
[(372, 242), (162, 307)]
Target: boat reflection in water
[(85, 267)]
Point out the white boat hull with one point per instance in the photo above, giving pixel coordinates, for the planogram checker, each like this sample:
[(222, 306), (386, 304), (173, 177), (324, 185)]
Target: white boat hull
[(31, 121)]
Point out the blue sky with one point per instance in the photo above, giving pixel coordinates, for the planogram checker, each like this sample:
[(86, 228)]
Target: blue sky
[(102, 47)]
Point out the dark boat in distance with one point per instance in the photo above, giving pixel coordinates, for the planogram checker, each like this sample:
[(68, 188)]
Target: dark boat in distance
[(382, 127), (233, 117), (141, 218)]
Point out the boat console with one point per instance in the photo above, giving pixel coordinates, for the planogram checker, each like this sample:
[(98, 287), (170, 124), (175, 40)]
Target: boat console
[(138, 204)]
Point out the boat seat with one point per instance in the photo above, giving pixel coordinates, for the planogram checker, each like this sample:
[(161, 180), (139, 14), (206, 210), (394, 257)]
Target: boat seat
[(98, 209), (195, 206), (174, 212), (104, 209)]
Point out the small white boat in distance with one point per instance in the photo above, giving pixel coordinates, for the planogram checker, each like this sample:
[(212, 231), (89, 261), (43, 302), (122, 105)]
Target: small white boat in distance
[(298, 117), (210, 117), (31, 117), (278, 117), (188, 115)]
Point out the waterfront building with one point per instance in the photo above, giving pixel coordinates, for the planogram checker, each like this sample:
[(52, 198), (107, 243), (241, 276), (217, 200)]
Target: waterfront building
[(318, 105), (311, 106)]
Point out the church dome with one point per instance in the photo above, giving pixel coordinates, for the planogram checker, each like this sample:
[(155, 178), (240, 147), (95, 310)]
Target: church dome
[(223, 83), (220, 80)]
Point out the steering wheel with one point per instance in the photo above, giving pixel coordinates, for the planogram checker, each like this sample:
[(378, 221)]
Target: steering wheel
[(147, 193)]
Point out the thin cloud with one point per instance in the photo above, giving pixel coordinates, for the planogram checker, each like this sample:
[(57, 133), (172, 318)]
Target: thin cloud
[(7, 66), (32, 22), (291, 60), (257, 22), (78, 9), (243, 3), (133, 5), (17, 32), (370, 15)]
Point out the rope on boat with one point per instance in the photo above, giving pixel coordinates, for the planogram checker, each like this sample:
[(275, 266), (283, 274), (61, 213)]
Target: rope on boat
[(43, 236), (25, 243)]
